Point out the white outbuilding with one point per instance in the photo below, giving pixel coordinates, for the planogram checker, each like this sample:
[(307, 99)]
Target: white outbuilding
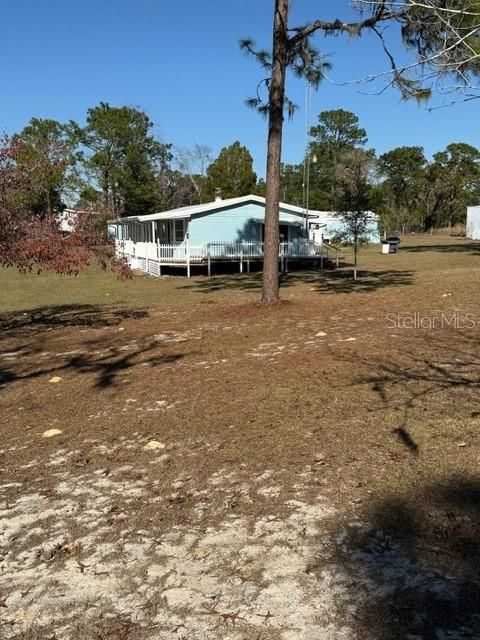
[(473, 223), (327, 225)]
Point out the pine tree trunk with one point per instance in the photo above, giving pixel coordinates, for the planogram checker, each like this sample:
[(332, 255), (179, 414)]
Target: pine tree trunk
[(270, 292)]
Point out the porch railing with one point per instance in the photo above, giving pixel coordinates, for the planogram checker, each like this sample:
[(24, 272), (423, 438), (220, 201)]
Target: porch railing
[(185, 252)]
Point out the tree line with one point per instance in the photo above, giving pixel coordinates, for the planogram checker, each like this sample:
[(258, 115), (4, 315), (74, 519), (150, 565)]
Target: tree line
[(408, 191), (115, 164)]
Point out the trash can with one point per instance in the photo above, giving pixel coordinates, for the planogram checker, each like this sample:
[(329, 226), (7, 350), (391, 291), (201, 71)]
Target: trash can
[(391, 244), (394, 243)]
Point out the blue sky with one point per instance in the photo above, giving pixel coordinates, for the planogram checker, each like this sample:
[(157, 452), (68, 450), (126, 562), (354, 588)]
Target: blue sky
[(180, 62)]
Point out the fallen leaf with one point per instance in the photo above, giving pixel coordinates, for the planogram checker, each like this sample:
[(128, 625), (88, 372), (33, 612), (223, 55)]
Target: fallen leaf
[(51, 432), (154, 445), (320, 334), (55, 379)]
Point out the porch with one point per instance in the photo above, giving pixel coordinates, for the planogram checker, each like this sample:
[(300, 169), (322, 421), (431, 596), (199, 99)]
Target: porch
[(149, 257)]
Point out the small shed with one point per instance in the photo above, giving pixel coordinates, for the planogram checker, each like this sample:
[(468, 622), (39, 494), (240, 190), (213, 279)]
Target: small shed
[(473, 223), (326, 225)]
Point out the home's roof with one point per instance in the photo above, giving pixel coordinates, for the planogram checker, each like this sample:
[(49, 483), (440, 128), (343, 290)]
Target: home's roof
[(76, 211), (189, 211), (332, 216)]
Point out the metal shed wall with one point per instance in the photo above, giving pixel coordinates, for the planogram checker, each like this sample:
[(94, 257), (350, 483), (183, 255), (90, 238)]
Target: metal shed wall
[(473, 223)]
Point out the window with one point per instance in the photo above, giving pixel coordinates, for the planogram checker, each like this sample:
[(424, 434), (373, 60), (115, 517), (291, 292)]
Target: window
[(178, 230), (167, 231), (163, 229)]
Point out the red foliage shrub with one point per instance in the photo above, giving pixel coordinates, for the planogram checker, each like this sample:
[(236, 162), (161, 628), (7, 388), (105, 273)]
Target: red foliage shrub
[(29, 241)]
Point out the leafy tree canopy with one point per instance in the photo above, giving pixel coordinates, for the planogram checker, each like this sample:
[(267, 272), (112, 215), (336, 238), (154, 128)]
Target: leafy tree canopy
[(452, 183), (48, 151), (337, 130), (125, 158), (354, 195), (231, 173), (403, 170)]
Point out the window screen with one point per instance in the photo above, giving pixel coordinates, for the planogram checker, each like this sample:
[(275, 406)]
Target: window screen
[(178, 230)]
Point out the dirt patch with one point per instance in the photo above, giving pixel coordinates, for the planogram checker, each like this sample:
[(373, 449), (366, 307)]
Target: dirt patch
[(315, 472)]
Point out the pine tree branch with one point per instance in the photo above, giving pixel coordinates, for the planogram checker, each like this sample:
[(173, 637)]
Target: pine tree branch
[(338, 26)]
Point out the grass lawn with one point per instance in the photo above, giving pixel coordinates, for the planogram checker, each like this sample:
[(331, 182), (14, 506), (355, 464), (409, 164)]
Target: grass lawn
[(227, 471)]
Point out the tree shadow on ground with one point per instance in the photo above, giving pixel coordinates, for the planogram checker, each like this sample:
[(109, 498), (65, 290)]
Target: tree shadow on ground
[(446, 365), (415, 563), (75, 315), (107, 368), (343, 282), (95, 357), (411, 560), (466, 247), (414, 556), (320, 281)]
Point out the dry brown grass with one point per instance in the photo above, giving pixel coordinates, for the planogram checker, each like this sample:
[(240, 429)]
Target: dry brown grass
[(456, 230), (382, 424)]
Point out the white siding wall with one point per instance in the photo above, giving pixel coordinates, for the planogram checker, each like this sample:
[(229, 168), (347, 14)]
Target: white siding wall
[(335, 226), (473, 223)]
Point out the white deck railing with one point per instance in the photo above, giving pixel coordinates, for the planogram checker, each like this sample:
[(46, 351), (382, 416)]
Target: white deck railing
[(183, 252), (150, 256)]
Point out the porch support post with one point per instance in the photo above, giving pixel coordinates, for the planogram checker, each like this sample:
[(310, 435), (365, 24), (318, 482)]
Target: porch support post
[(286, 264), (209, 264), (241, 259), (248, 266), (188, 257)]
